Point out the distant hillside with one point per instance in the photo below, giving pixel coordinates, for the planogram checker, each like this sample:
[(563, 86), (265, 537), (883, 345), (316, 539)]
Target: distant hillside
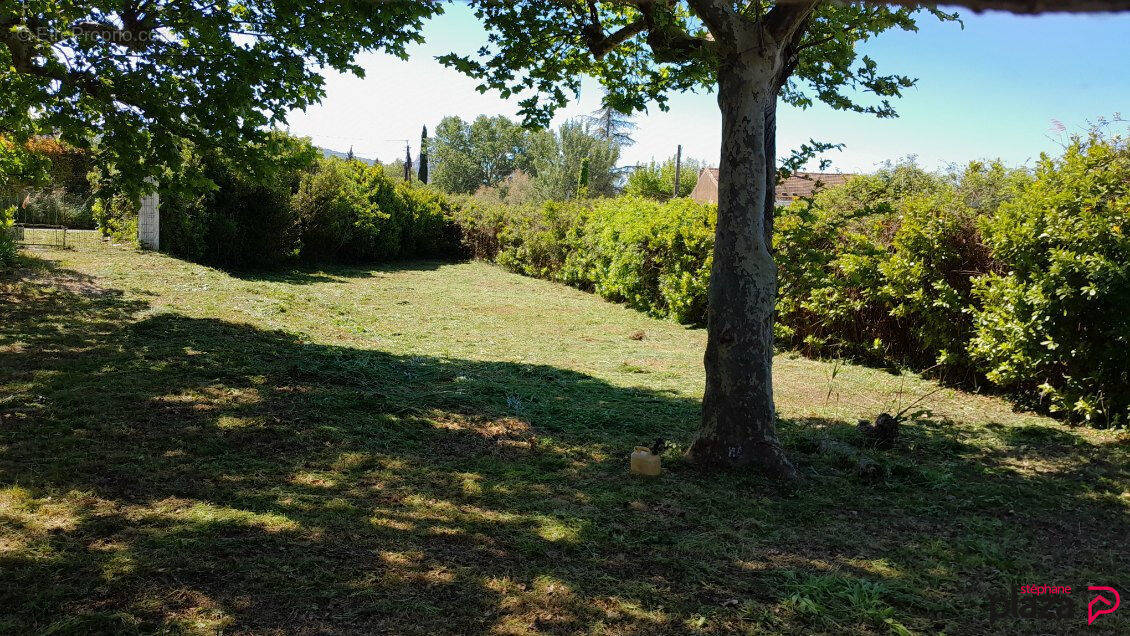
[(326, 152)]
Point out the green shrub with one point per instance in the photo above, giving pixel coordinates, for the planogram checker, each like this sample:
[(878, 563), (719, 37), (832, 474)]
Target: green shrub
[(355, 213), (657, 181), (827, 268), (934, 254), (9, 248), (431, 233), (1054, 325), (534, 240), (653, 256), (528, 239), (116, 217), (281, 202), (329, 202), (236, 211), (882, 269), (988, 272)]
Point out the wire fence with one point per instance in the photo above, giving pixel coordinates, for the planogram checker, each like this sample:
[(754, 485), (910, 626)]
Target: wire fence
[(31, 234)]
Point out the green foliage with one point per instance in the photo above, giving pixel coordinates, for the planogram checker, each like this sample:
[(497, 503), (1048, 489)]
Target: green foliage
[(355, 213), (423, 174), (583, 178), (653, 256), (987, 273), (559, 158), (835, 600), (517, 189), (1054, 324), (611, 125), (881, 269), (9, 248), (20, 168), (219, 210), (528, 239), (470, 155), (535, 239), (116, 217), (133, 80), (657, 181), (394, 170), (329, 200), (484, 155), (67, 166), (981, 273), (642, 52)]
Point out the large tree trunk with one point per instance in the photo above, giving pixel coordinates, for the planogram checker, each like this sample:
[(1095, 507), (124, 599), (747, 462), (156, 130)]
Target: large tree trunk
[(737, 410)]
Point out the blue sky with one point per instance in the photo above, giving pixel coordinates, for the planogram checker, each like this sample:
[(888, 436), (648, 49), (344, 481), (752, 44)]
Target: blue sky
[(990, 90)]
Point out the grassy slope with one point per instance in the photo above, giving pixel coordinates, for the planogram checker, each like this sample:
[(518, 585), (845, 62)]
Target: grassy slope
[(442, 448)]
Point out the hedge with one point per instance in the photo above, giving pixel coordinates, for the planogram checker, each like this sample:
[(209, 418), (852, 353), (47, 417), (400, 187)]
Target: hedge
[(1054, 325), (289, 204), (988, 274), (653, 256), (351, 212)]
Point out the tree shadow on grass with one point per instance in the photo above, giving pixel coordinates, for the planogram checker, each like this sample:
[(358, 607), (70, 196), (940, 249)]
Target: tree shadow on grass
[(166, 472), (328, 273)]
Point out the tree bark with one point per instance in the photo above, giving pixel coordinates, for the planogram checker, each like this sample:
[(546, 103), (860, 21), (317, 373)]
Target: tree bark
[(738, 415)]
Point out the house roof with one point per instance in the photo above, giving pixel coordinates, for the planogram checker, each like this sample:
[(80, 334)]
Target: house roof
[(805, 184), (800, 184)]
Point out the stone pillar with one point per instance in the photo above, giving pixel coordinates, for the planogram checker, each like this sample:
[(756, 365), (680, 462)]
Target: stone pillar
[(149, 222)]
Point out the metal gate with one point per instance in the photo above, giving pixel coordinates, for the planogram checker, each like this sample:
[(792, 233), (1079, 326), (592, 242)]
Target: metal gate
[(28, 234)]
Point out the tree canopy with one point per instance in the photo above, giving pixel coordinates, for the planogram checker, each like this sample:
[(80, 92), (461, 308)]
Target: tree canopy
[(576, 148), (612, 125), (483, 153), (641, 51), (470, 155), (657, 180), (133, 76)]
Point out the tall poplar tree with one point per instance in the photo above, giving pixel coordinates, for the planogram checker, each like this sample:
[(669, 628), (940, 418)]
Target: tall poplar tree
[(424, 156)]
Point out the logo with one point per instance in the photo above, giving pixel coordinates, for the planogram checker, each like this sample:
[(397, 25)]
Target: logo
[(1042, 602), (1033, 602), (1092, 612)]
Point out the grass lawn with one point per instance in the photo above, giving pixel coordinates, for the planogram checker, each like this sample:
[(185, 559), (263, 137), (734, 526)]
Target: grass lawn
[(442, 448)]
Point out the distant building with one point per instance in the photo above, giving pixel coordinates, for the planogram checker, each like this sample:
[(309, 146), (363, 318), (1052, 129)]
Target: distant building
[(800, 184)]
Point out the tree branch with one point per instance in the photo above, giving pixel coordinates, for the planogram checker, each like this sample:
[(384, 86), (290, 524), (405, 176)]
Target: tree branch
[(666, 36), (785, 19), (81, 80), (719, 18), (847, 28), (600, 44), (134, 34), (136, 39), (1013, 6)]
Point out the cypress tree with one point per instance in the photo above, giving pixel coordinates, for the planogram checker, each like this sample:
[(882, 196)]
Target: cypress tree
[(424, 156), (583, 179)]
